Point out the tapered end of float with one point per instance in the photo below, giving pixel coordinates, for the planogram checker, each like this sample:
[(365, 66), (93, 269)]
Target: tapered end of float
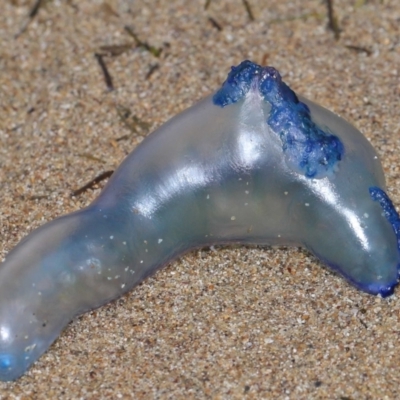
[(9, 368), (381, 290)]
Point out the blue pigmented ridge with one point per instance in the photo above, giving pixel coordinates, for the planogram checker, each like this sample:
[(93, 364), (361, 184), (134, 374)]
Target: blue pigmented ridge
[(237, 84), (389, 211), (308, 149)]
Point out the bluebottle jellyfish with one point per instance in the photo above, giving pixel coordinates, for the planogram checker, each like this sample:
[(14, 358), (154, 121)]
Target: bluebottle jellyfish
[(253, 163)]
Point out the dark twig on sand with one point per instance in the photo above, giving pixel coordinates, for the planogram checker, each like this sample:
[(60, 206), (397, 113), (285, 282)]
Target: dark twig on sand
[(215, 24), (359, 49), (93, 182), (106, 74), (32, 13), (332, 20), (207, 4), (248, 10), (152, 69), (153, 50)]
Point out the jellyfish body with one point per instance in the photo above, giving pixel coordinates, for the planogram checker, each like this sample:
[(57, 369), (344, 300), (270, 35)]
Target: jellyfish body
[(253, 163)]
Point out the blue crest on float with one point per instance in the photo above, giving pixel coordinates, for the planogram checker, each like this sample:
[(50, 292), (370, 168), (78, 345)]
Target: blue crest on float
[(308, 148)]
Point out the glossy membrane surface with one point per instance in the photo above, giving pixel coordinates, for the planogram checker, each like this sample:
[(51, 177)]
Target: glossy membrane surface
[(252, 163)]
